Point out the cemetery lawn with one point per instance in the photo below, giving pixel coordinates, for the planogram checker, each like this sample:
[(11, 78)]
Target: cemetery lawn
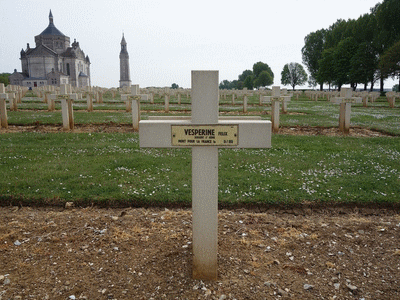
[(314, 217), (109, 169)]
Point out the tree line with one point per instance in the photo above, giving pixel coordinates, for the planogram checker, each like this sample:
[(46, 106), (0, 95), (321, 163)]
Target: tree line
[(260, 76), (363, 51)]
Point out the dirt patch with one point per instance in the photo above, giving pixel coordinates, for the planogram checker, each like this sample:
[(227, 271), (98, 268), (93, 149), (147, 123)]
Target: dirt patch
[(91, 253), (78, 128), (113, 127), (331, 131)]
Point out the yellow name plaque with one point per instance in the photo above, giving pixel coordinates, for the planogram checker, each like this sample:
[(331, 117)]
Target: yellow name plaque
[(204, 135)]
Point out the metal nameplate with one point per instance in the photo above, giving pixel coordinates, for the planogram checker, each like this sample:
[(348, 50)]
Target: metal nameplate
[(204, 135)]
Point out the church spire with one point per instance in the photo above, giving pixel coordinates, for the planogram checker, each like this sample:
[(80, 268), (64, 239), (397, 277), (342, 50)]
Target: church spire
[(123, 45), (125, 76), (50, 17)]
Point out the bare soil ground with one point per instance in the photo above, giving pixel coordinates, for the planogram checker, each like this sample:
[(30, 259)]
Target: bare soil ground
[(112, 127), (301, 253)]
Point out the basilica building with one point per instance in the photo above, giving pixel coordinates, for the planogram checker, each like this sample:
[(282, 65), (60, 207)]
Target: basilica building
[(53, 61)]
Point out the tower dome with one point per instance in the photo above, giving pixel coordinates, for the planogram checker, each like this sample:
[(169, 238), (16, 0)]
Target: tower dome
[(51, 29), (53, 38)]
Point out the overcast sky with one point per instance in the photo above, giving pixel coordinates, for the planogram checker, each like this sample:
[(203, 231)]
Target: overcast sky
[(168, 39)]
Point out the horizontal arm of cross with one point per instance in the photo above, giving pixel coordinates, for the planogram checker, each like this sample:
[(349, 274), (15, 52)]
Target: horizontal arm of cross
[(251, 133)]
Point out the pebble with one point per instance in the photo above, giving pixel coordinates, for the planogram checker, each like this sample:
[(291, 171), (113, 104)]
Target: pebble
[(6, 281), (283, 293), (69, 204), (352, 288), (17, 243), (308, 287), (72, 297), (337, 286), (269, 284), (222, 297), (114, 218)]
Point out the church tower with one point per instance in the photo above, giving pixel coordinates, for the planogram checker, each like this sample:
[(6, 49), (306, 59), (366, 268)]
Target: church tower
[(125, 77)]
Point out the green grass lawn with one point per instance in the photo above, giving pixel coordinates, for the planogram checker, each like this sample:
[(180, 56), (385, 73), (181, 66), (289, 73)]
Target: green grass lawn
[(302, 112), (111, 168)]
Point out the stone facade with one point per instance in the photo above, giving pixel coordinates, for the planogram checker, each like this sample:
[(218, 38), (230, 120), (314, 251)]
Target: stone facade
[(53, 61), (125, 77)]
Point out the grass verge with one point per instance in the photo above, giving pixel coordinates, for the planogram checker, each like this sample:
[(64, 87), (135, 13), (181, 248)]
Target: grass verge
[(111, 169)]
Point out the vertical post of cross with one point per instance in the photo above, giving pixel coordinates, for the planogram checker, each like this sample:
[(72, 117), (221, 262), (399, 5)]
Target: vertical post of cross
[(3, 107), (205, 96), (275, 115), (66, 106), (133, 104), (344, 117)]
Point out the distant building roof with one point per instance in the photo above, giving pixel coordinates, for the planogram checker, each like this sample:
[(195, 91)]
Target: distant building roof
[(51, 29)]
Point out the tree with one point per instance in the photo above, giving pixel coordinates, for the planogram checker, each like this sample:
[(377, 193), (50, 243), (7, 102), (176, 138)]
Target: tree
[(228, 85), (225, 85), (387, 29), (343, 55), (365, 62), (312, 83), (174, 86), (363, 65), (293, 74), (263, 79), (396, 88), (248, 82), (245, 73), (242, 79), (263, 75), (336, 33), (390, 61), (234, 84), (312, 52), (4, 78), (326, 71), (387, 15)]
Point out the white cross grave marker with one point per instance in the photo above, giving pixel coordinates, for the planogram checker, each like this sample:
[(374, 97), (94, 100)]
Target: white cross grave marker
[(3, 108), (67, 111), (132, 101), (205, 133)]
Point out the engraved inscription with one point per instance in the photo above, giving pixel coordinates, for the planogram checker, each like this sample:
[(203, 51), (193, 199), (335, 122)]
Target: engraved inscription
[(204, 135)]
